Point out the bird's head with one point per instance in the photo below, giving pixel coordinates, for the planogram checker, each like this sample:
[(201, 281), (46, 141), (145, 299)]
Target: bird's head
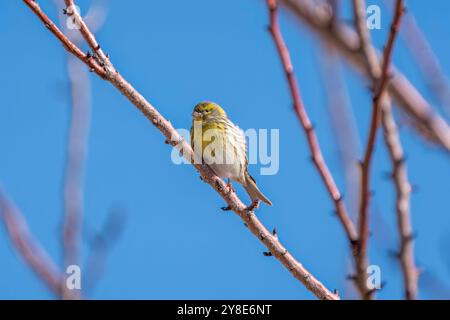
[(205, 111)]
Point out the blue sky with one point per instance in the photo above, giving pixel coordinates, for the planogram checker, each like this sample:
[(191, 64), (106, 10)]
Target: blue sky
[(176, 241)]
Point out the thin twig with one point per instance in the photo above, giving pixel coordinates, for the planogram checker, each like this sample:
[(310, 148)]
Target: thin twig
[(101, 243), (173, 138), (29, 247), (302, 115), (346, 41), (403, 192), (313, 142), (363, 223)]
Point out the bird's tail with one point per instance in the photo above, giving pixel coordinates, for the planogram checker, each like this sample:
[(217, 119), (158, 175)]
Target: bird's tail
[(253, 191)]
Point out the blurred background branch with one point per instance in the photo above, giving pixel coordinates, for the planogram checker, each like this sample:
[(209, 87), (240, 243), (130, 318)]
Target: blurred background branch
[(346, 41)]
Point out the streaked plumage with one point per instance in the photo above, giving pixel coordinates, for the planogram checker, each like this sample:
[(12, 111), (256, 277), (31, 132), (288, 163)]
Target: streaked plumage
[(221, 144)]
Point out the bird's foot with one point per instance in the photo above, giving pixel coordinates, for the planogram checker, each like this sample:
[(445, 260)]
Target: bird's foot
[(230, 186), (253, 206)]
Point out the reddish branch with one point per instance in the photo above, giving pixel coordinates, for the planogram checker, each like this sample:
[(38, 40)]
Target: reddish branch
[(302, 115), (28, 247), (367, 161), (346, 41), (395, 149), (106, 70)]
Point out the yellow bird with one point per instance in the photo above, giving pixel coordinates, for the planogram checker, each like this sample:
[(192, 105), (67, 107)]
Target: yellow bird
[(221, 145)]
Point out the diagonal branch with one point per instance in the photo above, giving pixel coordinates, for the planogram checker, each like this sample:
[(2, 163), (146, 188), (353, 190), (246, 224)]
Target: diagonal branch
[(365, 195), (107, 71), (346, 41), (427, 61), (28, 247), (303, 117)]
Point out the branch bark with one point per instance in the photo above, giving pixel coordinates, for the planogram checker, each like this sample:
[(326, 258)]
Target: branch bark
[(379, 100), (395, 150), (303, 117), (346, 41), (313, 143), (29, 247), (104, 68)]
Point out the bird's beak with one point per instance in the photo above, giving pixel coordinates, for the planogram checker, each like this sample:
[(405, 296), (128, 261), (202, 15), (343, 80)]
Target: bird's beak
[(196, 115)]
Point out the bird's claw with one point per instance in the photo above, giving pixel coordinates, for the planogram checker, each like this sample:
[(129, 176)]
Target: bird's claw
[(230, 187), (253, 206)]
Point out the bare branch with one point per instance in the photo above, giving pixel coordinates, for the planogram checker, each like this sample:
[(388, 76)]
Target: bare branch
[(346, 42), (375, 121), (101, 244), (302, 115), (395, 149), (173, 138), (68, 45), (427, 61), (403, 192), (28, 247)]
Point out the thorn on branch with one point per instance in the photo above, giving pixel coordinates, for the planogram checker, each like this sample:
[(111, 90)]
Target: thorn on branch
[(399, 162), (253, 206), (351, 277), (394, 254), (226, 208), (409, 238), (372, 291), (361, 164), (267, 253)]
